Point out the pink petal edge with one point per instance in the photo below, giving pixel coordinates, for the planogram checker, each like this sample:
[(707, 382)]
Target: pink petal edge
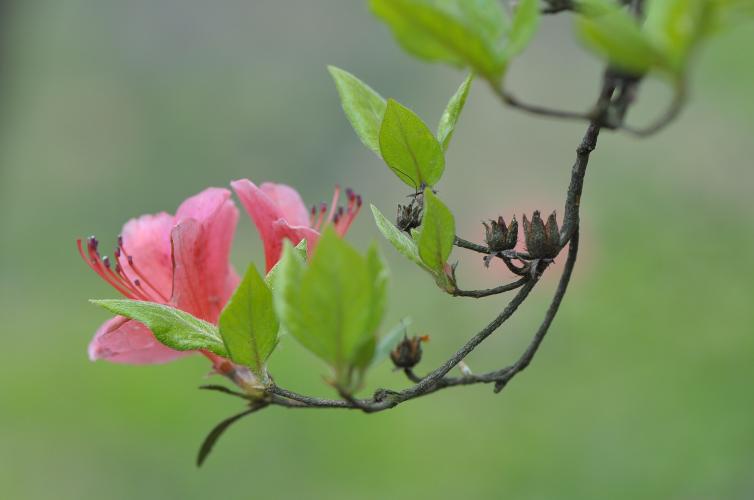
[(121, 340)]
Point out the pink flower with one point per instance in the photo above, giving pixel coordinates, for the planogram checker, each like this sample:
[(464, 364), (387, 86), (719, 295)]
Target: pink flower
[(179, 260), (279, 213)]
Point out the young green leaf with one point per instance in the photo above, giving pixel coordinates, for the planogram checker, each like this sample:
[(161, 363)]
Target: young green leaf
[(523, 28), (437, 233), (333, 305), (378, 276), (299, 250), (248, 324), (675, 26), (388, 341), (409, 148), (363, 107), (613, 33), (285, 282), (176, 329), (400, 240), (449, 118), (463, 33)]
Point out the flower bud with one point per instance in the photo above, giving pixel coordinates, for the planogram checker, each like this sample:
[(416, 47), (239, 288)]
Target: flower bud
[(408, 352), (542, 241), (499, 237)]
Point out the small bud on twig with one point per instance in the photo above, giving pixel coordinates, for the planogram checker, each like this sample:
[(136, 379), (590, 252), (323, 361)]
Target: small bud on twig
[(408, 352)]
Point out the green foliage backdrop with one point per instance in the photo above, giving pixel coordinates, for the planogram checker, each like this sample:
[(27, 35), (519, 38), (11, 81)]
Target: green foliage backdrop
[(112, 109)]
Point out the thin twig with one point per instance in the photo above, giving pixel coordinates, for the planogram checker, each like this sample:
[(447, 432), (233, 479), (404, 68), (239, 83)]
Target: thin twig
[(478, 294), (670, 114), (539, 336), (536, 109)]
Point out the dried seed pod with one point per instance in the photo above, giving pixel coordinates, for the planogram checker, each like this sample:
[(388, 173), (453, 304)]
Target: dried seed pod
[(542, 242), (500, 237), (409, 216)]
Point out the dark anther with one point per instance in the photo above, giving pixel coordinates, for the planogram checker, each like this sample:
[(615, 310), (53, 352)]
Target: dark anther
[(500, 237), (542, 241)]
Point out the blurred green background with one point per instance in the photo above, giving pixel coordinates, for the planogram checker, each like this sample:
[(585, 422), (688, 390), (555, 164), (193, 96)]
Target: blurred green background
[(111, 109)]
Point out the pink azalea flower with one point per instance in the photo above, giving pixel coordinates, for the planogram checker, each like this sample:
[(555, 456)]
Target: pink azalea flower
[(179, 260), (279, 213)]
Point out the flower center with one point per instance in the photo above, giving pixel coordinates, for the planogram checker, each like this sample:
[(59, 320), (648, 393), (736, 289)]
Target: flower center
[(341, 217), (124, 275)]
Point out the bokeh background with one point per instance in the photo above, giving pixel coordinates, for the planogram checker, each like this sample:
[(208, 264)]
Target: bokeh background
[(111, 109)]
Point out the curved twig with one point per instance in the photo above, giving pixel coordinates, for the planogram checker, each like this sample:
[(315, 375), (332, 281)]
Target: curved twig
[(538, 110), (478, 294), (670, 114), (508, 373)]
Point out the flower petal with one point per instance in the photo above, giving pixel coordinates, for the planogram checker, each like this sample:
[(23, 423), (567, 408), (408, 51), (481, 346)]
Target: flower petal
[(282, 230), (289, 203), (203, 206), (202, 277), (121, 340), (264, 212), (147, 240)]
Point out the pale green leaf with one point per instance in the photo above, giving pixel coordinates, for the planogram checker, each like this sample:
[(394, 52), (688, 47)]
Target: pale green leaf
[(363, 107), (334, 305), (400, 240), (450, 116), (176, 329), (248, 323), (299, 250), (615, 35), (524, 26), (285, 284), (675, 26), (437, 233), (464, 33), (409, 148), (388, 341)]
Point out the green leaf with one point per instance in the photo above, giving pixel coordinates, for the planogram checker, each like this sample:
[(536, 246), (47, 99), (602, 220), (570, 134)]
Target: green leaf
[(464, 33), (285, 284), (614, 34), (388, 341), (176, 329), (400, 240), (675, 26), (248, 324), (409, 148), (378, 276), (363, 106), (449, 118), (218, 430), (437, 233), (523, 28), (299, 250), (333, 306)]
